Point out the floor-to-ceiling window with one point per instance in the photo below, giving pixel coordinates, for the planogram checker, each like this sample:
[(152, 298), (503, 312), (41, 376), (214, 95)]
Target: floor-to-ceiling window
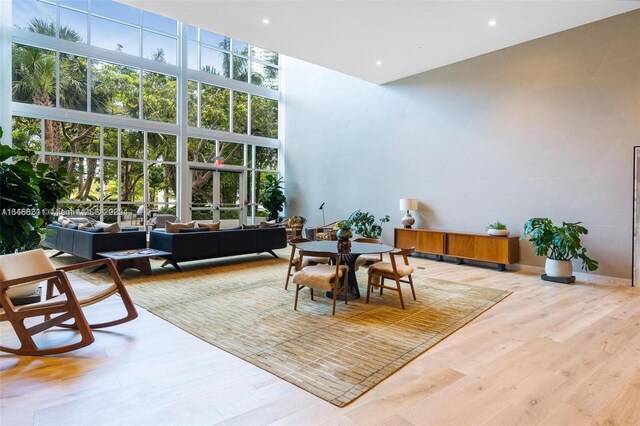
[(96, 90)]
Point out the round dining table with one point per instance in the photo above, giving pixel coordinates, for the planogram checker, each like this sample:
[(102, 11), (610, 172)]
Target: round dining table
[(348, 259)]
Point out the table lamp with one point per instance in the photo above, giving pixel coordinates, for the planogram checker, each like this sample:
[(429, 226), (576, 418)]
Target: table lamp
[(408, 204)]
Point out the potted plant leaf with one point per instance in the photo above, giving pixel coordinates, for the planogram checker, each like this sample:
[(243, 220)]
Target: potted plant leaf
[(273, 197), (559, 244), (497, 228), (364, 224)]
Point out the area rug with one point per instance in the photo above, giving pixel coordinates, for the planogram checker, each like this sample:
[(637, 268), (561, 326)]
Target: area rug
[(243, 308)]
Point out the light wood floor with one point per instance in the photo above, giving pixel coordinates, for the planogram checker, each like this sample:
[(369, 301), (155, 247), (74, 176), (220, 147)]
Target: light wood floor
[(547, 354)]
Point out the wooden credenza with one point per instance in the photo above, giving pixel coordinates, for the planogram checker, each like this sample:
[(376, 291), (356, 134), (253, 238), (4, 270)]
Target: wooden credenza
[(461, 246)]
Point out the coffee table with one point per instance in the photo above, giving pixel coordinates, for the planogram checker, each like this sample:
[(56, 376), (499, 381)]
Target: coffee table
[(134, 258)]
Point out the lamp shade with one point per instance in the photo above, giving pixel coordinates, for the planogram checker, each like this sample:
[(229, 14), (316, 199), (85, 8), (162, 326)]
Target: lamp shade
[(408, 204)]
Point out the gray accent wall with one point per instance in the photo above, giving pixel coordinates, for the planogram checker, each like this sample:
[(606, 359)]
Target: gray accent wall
[(542, 129)]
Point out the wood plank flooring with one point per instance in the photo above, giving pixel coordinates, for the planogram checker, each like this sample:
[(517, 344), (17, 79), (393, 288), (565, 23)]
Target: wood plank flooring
[(549, 354)]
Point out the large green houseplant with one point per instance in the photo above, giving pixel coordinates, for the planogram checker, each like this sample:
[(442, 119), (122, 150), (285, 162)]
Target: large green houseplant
[(27, 194), (273, 197), (364, 224), (559, 244)]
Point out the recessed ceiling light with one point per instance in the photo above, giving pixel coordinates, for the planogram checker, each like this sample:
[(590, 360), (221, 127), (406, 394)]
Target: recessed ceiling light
[(493, 23), (378, 62), (265, 21)]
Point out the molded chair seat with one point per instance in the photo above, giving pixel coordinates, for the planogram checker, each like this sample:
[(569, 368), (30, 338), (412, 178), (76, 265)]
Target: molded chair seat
[(322, 277)]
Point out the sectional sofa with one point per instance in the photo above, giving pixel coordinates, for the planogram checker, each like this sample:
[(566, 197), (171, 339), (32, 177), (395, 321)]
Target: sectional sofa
[(188, 245), (86, 244)]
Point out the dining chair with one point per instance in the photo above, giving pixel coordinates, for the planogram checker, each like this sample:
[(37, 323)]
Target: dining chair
[(61, 303), (393, 270), (368, 259), (295, 224), (294, 260), (322, 277)]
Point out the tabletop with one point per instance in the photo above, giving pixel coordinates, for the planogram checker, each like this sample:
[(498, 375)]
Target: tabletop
[(356, 248), (132, 254)]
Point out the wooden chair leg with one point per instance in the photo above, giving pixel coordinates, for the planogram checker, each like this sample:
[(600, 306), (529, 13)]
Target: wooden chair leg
[(412, 290), (400, 293), (369, 286), (346, 289), (311, 290), (381, 285), (335, 297), (295, 304), (286, 284)]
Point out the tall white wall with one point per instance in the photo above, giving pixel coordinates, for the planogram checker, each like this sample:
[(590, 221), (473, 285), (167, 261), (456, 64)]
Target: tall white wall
[(541, 129)]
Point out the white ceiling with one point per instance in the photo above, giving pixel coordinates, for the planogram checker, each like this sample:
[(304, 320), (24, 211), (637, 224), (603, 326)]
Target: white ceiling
[(408, 37)]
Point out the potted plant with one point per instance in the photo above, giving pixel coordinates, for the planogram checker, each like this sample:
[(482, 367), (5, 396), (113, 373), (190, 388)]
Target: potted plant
[(497, 228), (364, 224), (560, 244), (344, 230), (273, 197)]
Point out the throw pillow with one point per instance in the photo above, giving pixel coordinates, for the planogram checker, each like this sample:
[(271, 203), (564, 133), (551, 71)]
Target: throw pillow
[(72, 225), (83, 226), (114, 227), (65, 222), (269, 224), (210, 226), (250, 226), (174, 227)]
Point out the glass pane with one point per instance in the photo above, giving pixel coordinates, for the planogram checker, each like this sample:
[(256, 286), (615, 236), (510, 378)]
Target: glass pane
[(201, 189), (73, 25), (76, 4), (159, 97), (201, 150), (110, 142), (116, 10), (192, 103), (159, 23), (131, 181), (250, 156), (115, 36), (84, 176), (232, 153), (110, 177), (72, 138), (162, 183), (34, 16), (159, 48), (26, 133), (34, 75), (214, 40), (264, 117), (73, 82), (261, 181), (192, 55), (263, 75), (214, 62), (192, 32), (161, 147), (240, 68), (214, 107), (114, 89), (229, 190), (266, 158), (131, 144), (240, 47), (240, 110), (264, 55)]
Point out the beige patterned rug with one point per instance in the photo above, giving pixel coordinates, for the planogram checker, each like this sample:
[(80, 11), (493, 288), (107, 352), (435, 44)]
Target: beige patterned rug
[(240, 306)]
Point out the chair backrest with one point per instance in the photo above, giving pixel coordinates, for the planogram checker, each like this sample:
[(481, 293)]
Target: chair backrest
[(404, 252), (18, 265), (296, 221), (334, 256)]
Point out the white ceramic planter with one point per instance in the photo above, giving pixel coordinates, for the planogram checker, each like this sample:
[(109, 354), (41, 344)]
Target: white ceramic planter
[(558, 268), (498, 232)]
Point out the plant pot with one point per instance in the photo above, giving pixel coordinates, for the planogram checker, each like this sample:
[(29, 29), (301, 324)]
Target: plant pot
[(558, 268), (344, 234), (498, 232)]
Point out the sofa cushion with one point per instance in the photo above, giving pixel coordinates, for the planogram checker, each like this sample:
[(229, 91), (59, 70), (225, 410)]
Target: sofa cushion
[(199, 229), (174, 227)]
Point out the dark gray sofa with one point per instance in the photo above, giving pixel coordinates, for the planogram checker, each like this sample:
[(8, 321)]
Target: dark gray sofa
[(186, 246), (86, 244)]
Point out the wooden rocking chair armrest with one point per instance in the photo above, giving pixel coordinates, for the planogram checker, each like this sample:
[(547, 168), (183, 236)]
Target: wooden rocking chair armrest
[(31, 278), (83, 265)]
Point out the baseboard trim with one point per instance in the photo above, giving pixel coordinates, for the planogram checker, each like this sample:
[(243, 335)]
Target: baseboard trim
[(580, 276)]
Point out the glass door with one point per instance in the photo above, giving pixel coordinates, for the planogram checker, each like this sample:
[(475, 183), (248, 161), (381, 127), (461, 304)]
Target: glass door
[(218, 195)]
